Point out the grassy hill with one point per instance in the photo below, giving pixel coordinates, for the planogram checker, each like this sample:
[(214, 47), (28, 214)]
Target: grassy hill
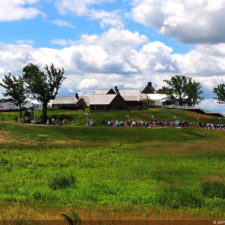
[(78, 117), (111, 173)]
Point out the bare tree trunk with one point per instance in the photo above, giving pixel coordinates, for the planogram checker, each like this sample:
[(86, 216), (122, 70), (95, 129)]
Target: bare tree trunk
[(20, 108), (180, 101), (44, 112)]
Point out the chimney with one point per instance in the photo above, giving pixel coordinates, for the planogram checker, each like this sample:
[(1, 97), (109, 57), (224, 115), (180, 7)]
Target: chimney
[(150, 84), (117, 90), (77, 96)]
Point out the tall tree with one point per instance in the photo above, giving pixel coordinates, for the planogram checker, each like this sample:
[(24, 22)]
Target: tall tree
[(176, 89), (43, 86), (220, 93), (15, 89), (182, 89), (194, 92)]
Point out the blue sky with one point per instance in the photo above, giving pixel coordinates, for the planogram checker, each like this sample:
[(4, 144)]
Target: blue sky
[(103, 43)]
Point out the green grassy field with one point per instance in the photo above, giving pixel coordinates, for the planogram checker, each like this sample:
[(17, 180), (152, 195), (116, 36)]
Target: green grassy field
[(101, 172), (77, 118)]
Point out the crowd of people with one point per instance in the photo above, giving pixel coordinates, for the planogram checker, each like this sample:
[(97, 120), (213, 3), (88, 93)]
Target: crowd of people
[(161, 124), (220, 125), (53, 121)]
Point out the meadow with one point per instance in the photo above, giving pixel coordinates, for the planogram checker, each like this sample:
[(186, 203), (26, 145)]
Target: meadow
[(109, 173), (77, 118)]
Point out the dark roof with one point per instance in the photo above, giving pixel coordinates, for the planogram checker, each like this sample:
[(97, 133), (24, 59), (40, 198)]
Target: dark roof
[(111, 91), (148, 89)]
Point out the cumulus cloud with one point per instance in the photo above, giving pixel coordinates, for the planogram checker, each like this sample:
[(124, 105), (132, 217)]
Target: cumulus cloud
[(191, 21), (85, 8), (62, 42), (119, 57), (25, 42), (18, 9), (62, 23), (204, 60)]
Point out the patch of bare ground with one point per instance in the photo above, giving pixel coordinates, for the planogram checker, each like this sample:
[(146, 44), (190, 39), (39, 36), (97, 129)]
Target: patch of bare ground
[(17, 211), (4, 136), (183, 148), (75, 143)]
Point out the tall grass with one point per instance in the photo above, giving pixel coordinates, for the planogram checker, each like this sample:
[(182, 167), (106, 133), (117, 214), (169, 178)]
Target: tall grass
[(141, 169)]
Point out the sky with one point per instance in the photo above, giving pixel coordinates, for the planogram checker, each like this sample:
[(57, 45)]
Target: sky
[(104, 43)]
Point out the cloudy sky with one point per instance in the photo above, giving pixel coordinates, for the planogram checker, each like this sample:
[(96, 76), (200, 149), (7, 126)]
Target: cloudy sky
[(103, 43)]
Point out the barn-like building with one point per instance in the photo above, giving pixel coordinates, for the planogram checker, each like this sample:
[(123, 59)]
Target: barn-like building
[(69, 102)]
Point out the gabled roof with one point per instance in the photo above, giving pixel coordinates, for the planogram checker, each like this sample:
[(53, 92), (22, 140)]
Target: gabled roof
[(149, 89), (101, 99), (101, 91), (86, 99), (131, 92), (111, 91), (65, 101), (131, 98)]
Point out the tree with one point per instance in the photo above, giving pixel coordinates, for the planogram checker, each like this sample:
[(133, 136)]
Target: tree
[(194, 92), (43, 87), (15, 89), (220, 93), (148, 103), (183, 90)]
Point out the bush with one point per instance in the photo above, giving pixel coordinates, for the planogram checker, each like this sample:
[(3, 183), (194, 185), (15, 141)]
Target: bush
[(213, 189), (177, 198), (61, 181)]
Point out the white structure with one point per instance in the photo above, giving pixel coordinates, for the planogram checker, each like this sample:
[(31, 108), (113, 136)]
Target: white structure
[(8, 106), (195, 108)]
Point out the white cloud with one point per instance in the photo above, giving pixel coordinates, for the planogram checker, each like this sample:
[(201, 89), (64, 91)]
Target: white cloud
[(62, 23), (190, 21), (204, 60), (18, 9), (86, 8), (25, 42), (119, 57), (79, 7), (61, 42)]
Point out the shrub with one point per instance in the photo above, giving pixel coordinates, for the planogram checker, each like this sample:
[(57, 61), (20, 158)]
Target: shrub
[(213, 189), (177, 198), (61, 181)]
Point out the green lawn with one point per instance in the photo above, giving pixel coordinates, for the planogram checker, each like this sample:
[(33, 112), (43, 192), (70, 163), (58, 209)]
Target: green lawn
[(152, 172), (77, 118)]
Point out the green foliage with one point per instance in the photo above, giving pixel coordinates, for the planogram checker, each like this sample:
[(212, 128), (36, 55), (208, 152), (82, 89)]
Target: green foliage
[(61, 181), (148, 103), (44, 87), (73, 219), (220, 93), (213, 189), (152, 168), (177, 197), (194, 92), (15, 89), (183, 90)]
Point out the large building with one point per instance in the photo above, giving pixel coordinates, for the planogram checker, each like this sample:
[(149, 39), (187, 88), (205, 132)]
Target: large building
[(123, 99), (113, 99)]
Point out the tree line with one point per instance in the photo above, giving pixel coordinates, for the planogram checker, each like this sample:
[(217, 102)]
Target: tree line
[(44, 86), (185, 90)]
